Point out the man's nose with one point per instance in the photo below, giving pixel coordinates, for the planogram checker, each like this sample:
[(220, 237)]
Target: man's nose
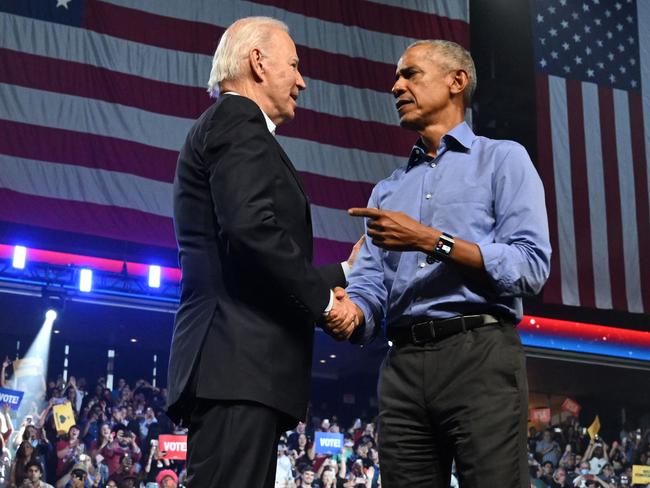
[(398, 88), (300, 82)]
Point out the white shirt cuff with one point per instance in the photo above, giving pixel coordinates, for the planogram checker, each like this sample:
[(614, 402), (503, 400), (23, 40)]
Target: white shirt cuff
[(346, 269), (330, 304)]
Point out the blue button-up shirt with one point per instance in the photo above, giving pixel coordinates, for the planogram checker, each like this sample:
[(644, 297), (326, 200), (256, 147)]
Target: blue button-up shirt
[(481, 190)]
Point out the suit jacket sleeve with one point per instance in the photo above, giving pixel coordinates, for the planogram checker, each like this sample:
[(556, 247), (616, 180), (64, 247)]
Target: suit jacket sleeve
[(242, 160), (333, 275)]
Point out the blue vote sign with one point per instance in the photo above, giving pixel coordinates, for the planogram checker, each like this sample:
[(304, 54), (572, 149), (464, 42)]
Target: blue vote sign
[(11, 398), (328, 443)]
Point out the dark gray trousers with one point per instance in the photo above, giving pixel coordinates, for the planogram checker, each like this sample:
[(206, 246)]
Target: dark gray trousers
[(464, 398)]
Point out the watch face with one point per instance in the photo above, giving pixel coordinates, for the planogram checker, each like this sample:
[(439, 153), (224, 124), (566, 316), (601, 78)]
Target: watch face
[(444, 245)]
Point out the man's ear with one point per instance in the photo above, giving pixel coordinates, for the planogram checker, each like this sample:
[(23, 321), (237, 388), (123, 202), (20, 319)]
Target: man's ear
[(459, 81), (255, 60)]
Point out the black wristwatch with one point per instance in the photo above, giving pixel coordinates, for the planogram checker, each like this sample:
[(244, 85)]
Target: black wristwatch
[(444, 246)]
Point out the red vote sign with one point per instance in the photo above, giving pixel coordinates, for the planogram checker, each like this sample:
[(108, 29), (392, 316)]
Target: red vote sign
[(571, 406), (172, 446), (540, 415)]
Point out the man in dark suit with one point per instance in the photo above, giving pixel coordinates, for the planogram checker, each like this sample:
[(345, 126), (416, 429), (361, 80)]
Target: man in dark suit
[(242, 347)]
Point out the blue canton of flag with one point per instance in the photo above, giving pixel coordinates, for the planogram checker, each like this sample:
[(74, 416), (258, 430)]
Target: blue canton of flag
[(593, 40), (67, 12)]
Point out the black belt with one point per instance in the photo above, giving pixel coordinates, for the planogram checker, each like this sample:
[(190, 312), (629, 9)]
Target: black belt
[(422, 332)]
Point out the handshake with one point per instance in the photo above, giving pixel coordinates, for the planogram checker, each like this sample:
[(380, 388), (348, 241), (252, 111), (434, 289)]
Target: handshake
[(344, 317)]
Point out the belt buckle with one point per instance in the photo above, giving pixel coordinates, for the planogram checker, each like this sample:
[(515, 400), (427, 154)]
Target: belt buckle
[(419, 341)]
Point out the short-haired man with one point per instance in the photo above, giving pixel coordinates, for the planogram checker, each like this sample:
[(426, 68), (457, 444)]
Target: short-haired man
[(242, 347), (307, 478), (459, 235), (34, 474)]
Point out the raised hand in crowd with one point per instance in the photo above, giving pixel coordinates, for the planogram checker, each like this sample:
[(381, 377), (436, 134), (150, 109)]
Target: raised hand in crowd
[(5, 365)]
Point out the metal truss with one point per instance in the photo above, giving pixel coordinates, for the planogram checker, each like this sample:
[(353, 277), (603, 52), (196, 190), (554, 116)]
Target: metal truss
[(115, 289)]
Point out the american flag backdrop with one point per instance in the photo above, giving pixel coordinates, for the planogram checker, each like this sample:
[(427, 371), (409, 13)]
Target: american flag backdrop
[(96, 98), (592, 61)]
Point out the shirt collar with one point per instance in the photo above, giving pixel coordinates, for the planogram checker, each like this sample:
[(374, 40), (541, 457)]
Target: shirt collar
[(269, 123), (460, 139)]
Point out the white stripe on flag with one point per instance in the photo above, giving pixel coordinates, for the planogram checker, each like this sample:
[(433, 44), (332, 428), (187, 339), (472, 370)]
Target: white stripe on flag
[(628, 203), (336, 225), (307, 31), (75, 183), (454, 9), (339, 162), (563, 190), (68, 182), (79, 114), (597, 205), (93, 117), (36, 37), (643, 10), (177, 67), (345, 101)]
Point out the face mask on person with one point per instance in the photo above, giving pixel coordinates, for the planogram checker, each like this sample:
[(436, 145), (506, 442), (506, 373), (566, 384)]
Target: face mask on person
[(34, 442), (584, 471)]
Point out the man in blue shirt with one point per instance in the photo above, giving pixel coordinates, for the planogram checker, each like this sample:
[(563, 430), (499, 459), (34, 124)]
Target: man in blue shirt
[(457, 236)]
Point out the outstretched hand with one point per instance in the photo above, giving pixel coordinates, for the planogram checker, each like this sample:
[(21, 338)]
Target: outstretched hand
[(343, 318), (355, 251), (394, 231)]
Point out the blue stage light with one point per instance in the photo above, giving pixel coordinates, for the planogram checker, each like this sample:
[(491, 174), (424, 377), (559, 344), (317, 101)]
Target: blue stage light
[(154, 276), (86, 280), (20, 256)]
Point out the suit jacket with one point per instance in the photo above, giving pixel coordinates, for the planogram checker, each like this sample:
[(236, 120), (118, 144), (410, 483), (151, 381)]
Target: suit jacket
[(250, 295)]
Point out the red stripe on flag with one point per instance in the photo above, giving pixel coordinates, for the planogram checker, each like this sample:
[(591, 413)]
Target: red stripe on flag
[(199, 37), (149, 28), (612, 198), (348, 132), (553, 288), (336, 193), (346, 70), (87, 150), (83, 80), (580, 191), (379, 17), (641, 191), (87, 218), (106, 153), (327, 252)]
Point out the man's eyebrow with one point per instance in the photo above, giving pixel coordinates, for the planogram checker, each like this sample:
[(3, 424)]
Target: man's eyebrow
[(405, 70)]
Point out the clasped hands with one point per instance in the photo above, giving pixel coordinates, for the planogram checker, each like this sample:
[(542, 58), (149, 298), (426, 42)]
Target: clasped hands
[(344, 317)]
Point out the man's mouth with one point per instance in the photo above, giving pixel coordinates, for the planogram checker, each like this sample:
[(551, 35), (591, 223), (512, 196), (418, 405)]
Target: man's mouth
[(400, 103)]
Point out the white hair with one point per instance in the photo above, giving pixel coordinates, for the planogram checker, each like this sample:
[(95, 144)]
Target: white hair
[(454, 56), (235, 45)]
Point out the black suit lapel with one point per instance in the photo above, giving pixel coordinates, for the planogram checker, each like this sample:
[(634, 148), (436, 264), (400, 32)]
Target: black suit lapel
[(296, 177), (293, 171)]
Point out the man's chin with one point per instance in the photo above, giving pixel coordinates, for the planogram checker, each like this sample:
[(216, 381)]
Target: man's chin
[(287, 117), (409, 123)]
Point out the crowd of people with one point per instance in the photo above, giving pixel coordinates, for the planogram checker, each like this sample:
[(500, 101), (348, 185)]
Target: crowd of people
[(567, 456), (114, 443)]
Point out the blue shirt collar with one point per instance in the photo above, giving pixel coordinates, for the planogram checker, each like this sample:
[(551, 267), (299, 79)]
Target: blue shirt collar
[(460, 139)]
